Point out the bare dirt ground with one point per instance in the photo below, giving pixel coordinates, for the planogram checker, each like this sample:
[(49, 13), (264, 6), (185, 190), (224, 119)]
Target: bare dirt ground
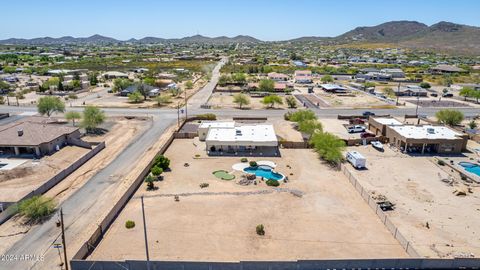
[(112, 100), (225, 100), (122, 131), (355, 99), (414, 184), (286, 130), (329, 221), (18, 182), (337, 127)]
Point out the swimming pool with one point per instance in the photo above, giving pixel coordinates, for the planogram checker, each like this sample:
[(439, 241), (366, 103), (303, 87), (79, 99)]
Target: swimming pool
[(470, 167), (265, 172)]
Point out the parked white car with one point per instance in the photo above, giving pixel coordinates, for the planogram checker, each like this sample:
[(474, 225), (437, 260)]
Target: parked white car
[(356, 128)]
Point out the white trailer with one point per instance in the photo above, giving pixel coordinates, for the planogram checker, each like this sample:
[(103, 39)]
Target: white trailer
[(358, 161)]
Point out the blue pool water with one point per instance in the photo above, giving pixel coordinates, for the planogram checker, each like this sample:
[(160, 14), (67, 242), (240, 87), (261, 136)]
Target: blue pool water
[(470, 167), (264, 171)]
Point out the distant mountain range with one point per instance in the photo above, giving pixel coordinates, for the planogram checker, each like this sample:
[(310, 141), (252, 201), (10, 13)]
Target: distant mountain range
[(441, 36)]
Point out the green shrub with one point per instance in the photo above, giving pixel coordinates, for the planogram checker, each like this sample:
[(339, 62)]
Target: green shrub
[(207, 116), (162, 162), (463, 177), (272, 183), (243, 160), (129, 224), (156, 171), (260, 229), (253, 163), (72, 96), (36, 208), (287, 116), (204, 185), (441, 162), (150, 182)]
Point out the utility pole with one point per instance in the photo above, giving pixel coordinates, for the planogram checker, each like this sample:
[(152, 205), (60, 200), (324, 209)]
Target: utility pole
[(178, 114), (398, 92), (145, 235), (63, 240), (186, 112)]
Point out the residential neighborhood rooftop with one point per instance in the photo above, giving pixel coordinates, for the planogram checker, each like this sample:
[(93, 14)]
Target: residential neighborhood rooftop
[(426, 132)]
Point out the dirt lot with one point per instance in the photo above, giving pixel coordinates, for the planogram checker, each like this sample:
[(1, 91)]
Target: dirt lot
[(337, 127), (21, 180), (225, 100), (112, 100), (355, 99), (414, 184), (330, 221), (121, 132)]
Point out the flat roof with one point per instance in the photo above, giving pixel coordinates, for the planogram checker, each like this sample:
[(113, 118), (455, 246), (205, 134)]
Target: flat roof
[(426, 132), (388, 121), (263, 135), (217, 124), (329, 86)]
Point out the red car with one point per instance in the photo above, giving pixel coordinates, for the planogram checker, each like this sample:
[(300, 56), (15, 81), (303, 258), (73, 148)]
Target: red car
[(366, 135), (356, 121)]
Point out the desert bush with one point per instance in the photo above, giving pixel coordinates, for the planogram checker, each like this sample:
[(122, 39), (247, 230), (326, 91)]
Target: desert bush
[(36, 208), (244, 160), (441, 162), (260, 229), (253, 163), (272, 183), (162, 162), (207, 116), (129, 224), (204, 185)]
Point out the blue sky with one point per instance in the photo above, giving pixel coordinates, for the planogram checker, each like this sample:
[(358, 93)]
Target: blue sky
[(263, 19)]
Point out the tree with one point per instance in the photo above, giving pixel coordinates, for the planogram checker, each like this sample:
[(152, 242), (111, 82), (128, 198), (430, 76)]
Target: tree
[(36, 208), (239, 78), (163, 99), (162, 162), (156, 171), (466, 92), (369, 85), (310, 127), (241, 99), (271, 100), (149, 81), (302, 115), (120, 84), (476, 95), (93, 78), (48, 105), (389, 91), (328, 146), (425, 85), (142, 89), (447, 80), (150, 180), (223, 80), (135, 97), (73, 116), (291, 102), (92, 118), (449, 117), (189, 85), (266, 85), (175, 91), (327, 79)]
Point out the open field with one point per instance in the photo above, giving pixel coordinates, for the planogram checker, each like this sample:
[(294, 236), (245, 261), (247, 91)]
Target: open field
[(415, 185), (225, 100), (330, 220), (121, 132)]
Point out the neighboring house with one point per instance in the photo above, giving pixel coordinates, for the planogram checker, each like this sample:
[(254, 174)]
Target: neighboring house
[(303, 76), (277, 86), (412, 90), (140, 70), (333, 88), (152, 91), (445, 69), (277, 76), (114, 75), (374, 76), (299, 64), (419, 138), (37, 138), (394, 72)]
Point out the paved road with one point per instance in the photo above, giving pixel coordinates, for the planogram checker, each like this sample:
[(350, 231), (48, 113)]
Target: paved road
[(81, 208)]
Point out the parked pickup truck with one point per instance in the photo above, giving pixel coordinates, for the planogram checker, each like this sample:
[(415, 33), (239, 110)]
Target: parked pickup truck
[(356, 128)]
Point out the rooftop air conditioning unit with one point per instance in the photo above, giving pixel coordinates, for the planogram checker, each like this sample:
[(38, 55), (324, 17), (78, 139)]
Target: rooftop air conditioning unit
[(431, 130), (20, 132)]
